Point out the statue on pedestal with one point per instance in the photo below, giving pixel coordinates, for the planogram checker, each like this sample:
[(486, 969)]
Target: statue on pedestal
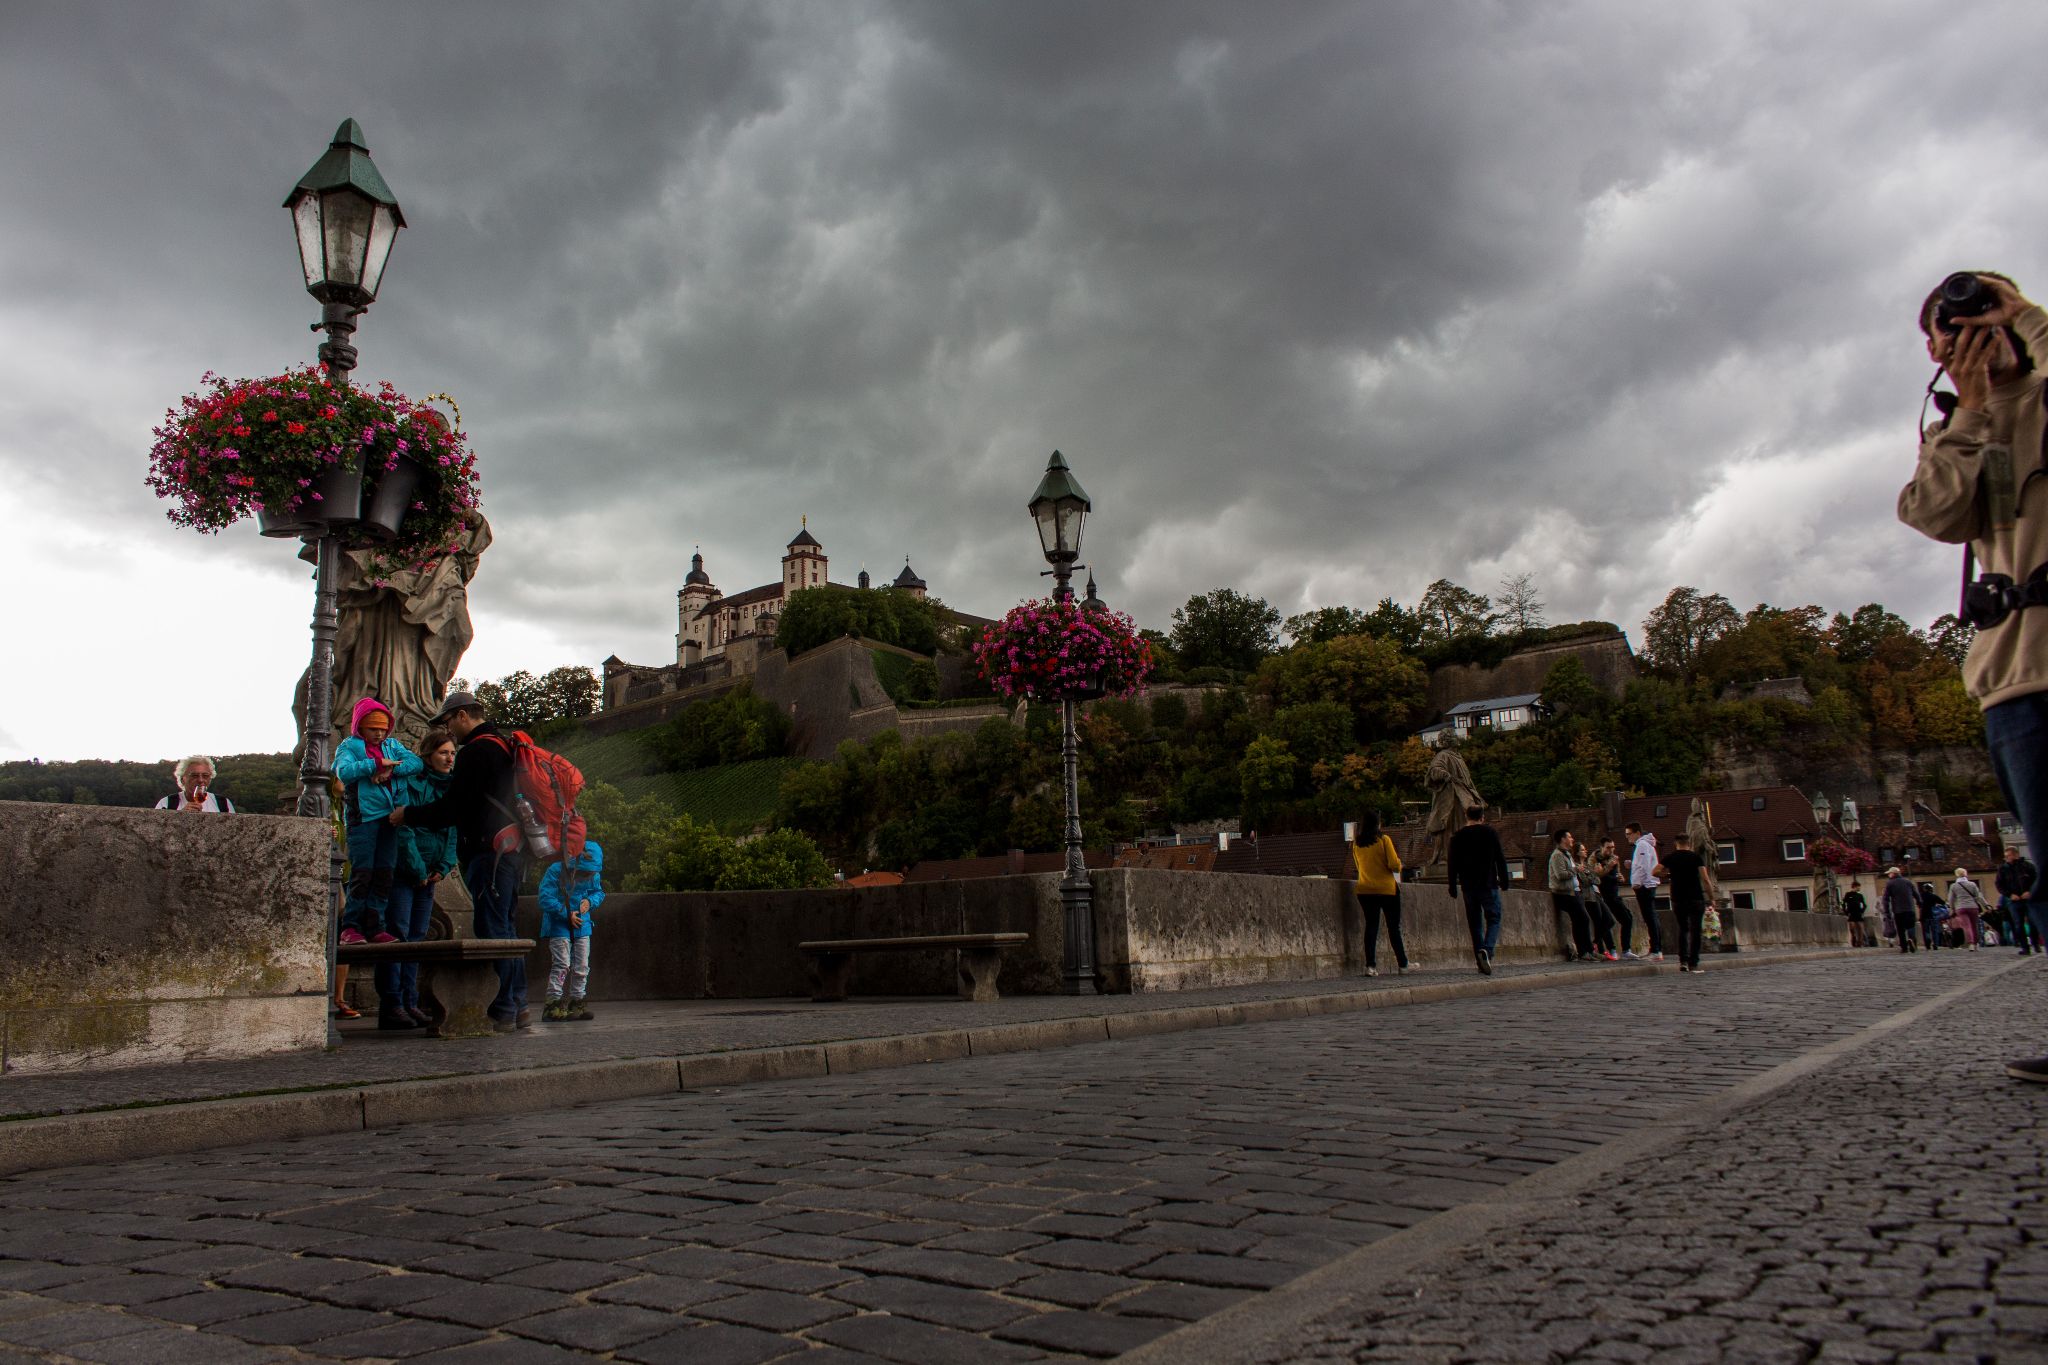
[(401, 637), (1451, 791)]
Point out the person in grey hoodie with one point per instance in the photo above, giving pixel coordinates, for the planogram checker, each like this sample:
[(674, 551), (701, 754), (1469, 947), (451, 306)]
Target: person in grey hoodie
[(1902, 903), (1642, 879)]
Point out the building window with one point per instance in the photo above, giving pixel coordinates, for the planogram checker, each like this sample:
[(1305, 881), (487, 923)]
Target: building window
[(1742, 900), (1756, 803), (1793, 849), (1941, 853), (1662, 810), (1516, 869), (1977, 826), (1541, 827), (1724, 854), (1795, 898), (1912, 853), (1884, 855)]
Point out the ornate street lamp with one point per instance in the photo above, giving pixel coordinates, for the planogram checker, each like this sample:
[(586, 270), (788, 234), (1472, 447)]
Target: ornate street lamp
[(345, 219), (1059, 507), (1823, 811)]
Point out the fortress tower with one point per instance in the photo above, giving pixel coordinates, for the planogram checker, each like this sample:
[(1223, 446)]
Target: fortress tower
[(804, 565)]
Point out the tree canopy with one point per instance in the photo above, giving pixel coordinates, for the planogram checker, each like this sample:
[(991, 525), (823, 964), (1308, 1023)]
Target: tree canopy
[(891, 616)]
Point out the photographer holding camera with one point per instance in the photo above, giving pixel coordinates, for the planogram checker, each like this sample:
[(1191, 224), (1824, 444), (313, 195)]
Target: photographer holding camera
[(1982, 482)]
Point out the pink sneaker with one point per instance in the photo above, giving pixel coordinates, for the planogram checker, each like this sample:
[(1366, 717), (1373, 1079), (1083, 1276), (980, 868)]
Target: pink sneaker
[(350, 937), (383, 938)]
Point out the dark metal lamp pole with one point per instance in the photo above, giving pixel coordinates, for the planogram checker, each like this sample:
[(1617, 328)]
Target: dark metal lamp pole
[(1059, 507), (345, 219)]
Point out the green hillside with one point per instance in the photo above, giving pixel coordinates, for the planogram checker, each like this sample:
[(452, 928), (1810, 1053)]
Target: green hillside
[(734, 796)]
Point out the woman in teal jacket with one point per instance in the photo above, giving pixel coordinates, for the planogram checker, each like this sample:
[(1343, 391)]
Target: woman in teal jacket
[(368, 763), (565, 914), (424, 857)]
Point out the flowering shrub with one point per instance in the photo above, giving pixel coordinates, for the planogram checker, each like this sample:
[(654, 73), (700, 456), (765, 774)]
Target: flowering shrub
[(1051, 650), (1840, 858), (242, 446)]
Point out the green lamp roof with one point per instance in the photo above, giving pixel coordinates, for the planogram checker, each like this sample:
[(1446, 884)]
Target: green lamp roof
[(346, 164), (1059, 482)]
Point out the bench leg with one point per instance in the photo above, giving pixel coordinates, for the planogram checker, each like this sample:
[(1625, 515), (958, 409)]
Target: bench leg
[(978, 968), (830, 974), (457, 997)]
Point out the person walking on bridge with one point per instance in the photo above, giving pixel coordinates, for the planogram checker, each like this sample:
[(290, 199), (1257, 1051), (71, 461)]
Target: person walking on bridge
[(1902, 905), (1479, 864)]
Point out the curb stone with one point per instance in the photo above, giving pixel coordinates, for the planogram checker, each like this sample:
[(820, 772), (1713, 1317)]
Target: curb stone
[(108, 1135)]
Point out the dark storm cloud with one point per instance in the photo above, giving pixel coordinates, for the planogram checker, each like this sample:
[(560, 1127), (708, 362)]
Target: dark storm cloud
[(1323, 301)]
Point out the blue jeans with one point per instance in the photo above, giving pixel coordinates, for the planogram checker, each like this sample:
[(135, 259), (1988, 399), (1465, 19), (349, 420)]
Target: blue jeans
[(372, 858), (410, 915), (2017, 734), (1482, 917), (493, 881)]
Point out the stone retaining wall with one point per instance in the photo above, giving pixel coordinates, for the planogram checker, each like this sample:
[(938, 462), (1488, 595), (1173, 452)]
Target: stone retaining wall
[(130, 937)]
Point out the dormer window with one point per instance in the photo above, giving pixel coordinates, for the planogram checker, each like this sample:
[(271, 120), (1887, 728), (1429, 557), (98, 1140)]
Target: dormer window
[(1756, 803), (1793, 849), (1662, 810)]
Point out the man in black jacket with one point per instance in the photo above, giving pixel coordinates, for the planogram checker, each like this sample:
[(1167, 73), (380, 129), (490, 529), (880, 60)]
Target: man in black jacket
[(1903, 902), (478, 803), (1479, 864), (2015, 883)]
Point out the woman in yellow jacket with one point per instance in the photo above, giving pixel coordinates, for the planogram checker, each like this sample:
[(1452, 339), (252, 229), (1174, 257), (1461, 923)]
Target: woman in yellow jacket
[(1378, 885)]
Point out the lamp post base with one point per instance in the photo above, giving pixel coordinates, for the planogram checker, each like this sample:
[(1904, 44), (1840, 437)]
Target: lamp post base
[(1077, 913)]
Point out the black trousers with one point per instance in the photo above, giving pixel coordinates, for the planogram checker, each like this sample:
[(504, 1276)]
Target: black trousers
[(1374, 907), (1619, 909), (1573, 909), (1692, 930), (1907, 942), (1646, 902), (1603, 922)]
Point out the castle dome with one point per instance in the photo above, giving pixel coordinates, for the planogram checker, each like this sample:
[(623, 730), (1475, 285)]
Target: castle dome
[(805, 539), (697, 576), (908, 578)]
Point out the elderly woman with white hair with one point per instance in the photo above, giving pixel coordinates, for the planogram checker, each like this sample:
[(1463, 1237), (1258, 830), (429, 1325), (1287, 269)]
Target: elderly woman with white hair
[(1967, 905), (195, 776)]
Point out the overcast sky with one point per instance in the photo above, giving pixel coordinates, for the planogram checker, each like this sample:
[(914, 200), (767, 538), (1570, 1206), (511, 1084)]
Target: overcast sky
[(1321, 301)]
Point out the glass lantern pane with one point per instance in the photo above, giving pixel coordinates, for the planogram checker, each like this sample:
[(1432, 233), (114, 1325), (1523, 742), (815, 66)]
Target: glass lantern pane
[(345, 217), (383, 228), (306, 226), (1071, 515), (1045, 517)]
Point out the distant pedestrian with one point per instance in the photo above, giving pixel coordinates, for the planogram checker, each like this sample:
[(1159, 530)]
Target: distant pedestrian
[(567, 905), (2015, 883), (1854, 909), (368, 762), (1902, 906), (194, 776), (1642, 879), (1607, 868), (1968, 907), (1691, 883), (1933, 910), (1377, 884), (478, 805), (1597, 913), (1564, 896), (1477, 862)]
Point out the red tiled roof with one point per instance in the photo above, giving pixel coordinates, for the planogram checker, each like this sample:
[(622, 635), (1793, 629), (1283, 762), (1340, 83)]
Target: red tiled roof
[(1170, 857), (1000, 865)]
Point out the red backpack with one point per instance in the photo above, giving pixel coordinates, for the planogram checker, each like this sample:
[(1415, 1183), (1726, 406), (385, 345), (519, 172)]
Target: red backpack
[(544, 790)]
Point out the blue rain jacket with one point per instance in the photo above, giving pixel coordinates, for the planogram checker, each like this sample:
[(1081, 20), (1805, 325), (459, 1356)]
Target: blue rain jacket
[(585, 869), (353, 766)]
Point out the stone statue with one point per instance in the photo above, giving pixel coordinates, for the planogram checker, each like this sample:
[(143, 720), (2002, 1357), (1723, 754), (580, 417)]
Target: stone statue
[(1699, 828), (1451, 790), (400, 639)]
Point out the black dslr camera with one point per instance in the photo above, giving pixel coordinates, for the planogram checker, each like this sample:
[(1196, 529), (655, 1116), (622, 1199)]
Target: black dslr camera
[(1962, 295)]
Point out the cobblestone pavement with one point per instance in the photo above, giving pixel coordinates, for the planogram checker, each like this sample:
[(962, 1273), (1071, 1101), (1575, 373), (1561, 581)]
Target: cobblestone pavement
[(1887, 1208), (1080, 1201), (627, 1029)]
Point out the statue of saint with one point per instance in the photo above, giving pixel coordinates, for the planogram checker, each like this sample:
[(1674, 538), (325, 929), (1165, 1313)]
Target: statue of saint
[(400, 638), (1450, 790)]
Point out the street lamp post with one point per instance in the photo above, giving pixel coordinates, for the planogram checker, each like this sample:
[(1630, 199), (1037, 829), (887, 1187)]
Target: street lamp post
[(345, 219), (1059, 507)]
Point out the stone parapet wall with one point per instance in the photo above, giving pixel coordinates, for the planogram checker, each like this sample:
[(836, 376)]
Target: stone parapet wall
[(132, 937)]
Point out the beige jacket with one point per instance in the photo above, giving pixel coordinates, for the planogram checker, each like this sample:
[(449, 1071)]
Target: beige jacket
[(1946, 500)]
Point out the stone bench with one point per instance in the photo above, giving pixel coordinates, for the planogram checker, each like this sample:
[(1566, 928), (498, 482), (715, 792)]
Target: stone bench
[(981, 957), (458, 976)]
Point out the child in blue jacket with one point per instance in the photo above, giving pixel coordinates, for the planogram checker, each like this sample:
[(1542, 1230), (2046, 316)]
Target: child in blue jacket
[(565, 914), (367, 764)]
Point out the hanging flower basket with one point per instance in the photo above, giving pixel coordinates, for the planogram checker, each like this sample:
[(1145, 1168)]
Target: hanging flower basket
[(307, 456), (1062, 651)]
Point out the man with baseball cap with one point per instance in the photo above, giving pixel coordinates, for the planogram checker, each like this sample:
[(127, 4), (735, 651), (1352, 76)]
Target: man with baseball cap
[(478, 804)]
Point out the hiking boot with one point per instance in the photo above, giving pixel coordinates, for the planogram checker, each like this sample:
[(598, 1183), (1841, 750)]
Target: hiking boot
[(554, 1012), (2028, 1069), (394, 1020), (576, 1011)]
